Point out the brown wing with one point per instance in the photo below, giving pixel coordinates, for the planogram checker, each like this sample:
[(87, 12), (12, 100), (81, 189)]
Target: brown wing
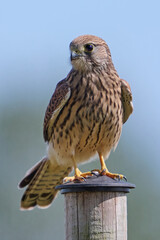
[(126, 100), (58, 100)]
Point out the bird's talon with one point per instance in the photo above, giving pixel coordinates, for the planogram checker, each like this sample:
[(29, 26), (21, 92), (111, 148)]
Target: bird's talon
[(120, 177), (79, 179), (103, 172), (117, 178), (124, 177), (75, 179), (95, 173)]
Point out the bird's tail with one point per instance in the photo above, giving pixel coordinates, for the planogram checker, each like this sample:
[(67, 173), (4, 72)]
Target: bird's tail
[(42, 180)]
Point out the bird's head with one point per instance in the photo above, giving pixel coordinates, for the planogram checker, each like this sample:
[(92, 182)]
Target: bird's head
[(89, 52)]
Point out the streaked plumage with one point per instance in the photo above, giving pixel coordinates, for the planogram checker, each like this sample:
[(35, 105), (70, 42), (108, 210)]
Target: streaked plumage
[(84, 117)]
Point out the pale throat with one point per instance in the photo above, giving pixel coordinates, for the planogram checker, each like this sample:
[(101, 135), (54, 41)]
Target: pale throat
[(82, 65)]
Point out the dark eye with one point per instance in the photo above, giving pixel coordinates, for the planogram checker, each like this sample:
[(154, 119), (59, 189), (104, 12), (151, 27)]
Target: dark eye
[(89, 47)]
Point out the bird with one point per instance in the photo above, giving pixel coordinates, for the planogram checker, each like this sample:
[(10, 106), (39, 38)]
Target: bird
[(83, 120)]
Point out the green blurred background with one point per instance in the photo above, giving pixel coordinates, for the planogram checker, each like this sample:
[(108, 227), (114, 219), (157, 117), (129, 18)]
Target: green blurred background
[(34, 56)]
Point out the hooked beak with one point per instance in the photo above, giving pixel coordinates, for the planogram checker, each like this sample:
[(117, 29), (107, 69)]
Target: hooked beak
[(75, 54)]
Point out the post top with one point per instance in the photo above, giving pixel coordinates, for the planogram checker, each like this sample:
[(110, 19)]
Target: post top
[(96, 183)]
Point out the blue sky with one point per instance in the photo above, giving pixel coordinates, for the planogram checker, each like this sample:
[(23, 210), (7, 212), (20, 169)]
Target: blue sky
[(35, 36)]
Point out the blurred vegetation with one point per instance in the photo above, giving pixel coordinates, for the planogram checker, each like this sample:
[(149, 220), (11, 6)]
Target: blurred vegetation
[(21, 145)]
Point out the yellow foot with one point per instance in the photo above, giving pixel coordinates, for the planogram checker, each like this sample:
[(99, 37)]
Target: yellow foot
[(105, 172), (113, 175), (78, 177)]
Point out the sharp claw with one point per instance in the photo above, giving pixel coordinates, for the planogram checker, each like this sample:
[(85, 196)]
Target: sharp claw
[(124, 177), (119, 178), (103, 171), (78, 180), (95, 173), (83, 179)]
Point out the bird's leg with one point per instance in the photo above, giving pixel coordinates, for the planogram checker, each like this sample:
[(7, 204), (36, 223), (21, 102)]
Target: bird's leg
[(104, 170), (78, 176)]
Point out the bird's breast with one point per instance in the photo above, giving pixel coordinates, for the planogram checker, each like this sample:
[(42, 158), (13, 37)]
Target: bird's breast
[(91, 121)]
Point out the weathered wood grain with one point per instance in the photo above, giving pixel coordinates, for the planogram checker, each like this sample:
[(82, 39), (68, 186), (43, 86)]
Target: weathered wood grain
[(96, 215)]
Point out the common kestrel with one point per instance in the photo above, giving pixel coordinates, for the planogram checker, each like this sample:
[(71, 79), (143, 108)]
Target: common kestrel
[(84, 118)]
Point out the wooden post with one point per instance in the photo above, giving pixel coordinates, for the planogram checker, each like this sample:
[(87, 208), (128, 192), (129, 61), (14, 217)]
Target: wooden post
[(96, 209)]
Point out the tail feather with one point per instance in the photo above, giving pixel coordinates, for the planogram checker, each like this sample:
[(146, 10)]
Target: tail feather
[(31, 173), (42, 180)]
